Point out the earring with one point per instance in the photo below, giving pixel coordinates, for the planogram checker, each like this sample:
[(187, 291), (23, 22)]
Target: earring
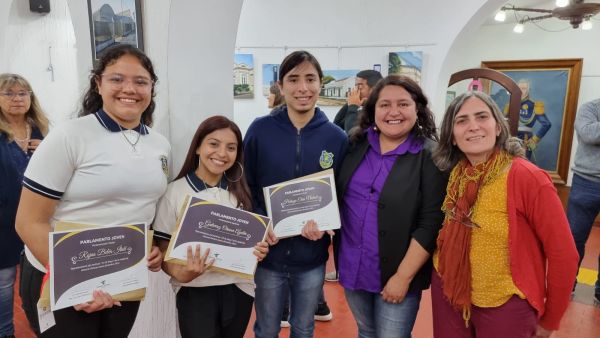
[(241, 174), (375, 127)]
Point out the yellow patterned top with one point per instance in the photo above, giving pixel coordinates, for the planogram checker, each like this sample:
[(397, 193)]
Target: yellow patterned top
[(491, 282)]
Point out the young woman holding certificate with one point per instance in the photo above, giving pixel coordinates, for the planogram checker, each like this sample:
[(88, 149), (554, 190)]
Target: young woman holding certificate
[(106, 167), (390, 195), (209, 303)]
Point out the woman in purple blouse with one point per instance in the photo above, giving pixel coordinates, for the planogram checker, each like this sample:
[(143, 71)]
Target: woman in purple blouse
[(391, 195)]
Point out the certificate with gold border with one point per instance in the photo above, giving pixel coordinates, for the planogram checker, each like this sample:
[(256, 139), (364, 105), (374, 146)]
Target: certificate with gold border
[(229, 233), (109, 258), (292, 203)]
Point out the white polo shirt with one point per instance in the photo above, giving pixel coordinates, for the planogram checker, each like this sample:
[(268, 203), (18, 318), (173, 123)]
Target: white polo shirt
[(99, 177), (165, 223)]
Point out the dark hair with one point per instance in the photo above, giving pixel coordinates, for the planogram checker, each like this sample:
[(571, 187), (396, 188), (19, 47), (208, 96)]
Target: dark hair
[(425, 124), (239, 188), (372, 76), (446, 155), (293, 60), (92, 101), (279, 99)]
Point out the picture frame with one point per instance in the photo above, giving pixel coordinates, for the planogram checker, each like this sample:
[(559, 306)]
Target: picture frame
[(547, 113), (114, 22)]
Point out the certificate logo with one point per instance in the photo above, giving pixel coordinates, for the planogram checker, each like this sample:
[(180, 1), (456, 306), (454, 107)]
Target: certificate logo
[(164, 164), (326, 159)]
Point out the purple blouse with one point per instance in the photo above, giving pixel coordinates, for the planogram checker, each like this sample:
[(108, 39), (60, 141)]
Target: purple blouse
[(359, 247)]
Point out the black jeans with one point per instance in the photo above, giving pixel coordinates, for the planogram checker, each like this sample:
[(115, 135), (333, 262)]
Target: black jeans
[(115, 322), (214, 311), (30, 283)]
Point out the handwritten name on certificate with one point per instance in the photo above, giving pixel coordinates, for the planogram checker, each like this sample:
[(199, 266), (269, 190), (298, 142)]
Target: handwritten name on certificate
[(291, 204), (110, 258), (230, 233)]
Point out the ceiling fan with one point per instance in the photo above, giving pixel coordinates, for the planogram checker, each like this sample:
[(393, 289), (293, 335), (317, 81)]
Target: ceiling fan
[(575, 11)]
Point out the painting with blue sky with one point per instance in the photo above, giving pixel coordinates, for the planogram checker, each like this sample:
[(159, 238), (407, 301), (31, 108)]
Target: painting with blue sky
[(243, 76), (336, 86), (406, 63)]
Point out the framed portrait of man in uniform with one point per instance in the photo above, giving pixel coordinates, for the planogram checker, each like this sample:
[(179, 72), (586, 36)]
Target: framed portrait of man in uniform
[(549, 92)]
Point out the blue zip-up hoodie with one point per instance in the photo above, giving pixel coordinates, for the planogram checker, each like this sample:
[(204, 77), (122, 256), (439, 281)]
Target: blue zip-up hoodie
[(275, 151)]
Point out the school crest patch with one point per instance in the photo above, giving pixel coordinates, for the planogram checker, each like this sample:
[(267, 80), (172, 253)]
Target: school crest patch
[(326, 159), (165, 165)]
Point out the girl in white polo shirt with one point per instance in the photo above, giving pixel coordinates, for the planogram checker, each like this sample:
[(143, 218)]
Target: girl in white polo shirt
[(106, 167), (209, 303)]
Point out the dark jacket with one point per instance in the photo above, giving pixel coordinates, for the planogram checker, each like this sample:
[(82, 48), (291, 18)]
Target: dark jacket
[(13, 162), (346, 117), (275, 151), (409, 207)]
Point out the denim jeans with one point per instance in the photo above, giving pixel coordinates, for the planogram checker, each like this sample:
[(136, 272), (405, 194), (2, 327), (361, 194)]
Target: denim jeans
[(377, 318), (304, 288), (7, 282), (582, 209)]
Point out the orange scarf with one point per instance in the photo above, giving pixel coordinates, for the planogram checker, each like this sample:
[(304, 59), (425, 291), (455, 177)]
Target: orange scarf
[(454, 240)]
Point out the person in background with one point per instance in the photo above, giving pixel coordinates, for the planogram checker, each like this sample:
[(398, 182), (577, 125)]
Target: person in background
[(209, 303), (390, 194), (23, 125), (349, 113), (584, 199), (505, 261), (293, 141), (275, 98), (105, 167)]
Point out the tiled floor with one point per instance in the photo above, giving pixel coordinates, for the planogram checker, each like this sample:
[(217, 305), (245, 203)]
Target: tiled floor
[(580, 321)]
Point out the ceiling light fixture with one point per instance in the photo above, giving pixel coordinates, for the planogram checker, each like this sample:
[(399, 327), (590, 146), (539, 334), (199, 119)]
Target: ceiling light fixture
[(518, 28), (576, 12), (500, 16), (586, 25)]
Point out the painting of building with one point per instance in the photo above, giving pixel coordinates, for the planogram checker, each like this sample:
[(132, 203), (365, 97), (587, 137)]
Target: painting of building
[(336, 86), (243, 76), (270, 74), (113, 22), (406, 63)]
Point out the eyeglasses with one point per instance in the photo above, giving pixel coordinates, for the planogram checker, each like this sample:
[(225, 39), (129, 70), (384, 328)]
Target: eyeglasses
[(12, 95), (117, 81)]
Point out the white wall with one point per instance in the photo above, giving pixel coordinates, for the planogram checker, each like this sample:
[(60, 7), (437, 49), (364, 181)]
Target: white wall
[(28, 42), (498, 42), (345, 35)]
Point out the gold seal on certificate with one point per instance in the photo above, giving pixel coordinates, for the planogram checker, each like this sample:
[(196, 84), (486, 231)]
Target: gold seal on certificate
[(230, 233), (109, 258), (292, 203)]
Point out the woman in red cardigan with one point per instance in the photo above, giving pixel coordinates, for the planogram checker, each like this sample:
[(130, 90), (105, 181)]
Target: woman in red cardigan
[(506, 261)]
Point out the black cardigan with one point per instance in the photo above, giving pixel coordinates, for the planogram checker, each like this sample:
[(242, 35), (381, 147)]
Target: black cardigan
[(409, 207)]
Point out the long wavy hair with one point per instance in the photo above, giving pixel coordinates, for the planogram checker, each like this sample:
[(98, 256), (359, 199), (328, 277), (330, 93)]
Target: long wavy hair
[(239, 188), (35, 115), (446, 155), (92, 101), (425, 124)]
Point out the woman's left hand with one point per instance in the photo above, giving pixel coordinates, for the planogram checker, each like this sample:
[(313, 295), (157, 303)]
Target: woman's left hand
[(155, 258), (33, 144), (395, 289)]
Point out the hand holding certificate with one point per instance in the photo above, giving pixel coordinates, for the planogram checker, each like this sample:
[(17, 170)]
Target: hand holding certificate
[(294, 204), (111, 259), (229, 235)]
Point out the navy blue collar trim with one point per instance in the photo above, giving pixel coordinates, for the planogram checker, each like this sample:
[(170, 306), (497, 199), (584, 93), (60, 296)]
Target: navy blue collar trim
[(107, 122), (198, 185)]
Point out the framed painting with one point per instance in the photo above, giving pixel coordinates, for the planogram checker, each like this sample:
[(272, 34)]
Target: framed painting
[(114, 22), (549, 92), (243, 76)]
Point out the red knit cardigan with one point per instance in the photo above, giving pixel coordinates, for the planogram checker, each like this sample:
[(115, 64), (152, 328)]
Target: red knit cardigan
[(542, 253)]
